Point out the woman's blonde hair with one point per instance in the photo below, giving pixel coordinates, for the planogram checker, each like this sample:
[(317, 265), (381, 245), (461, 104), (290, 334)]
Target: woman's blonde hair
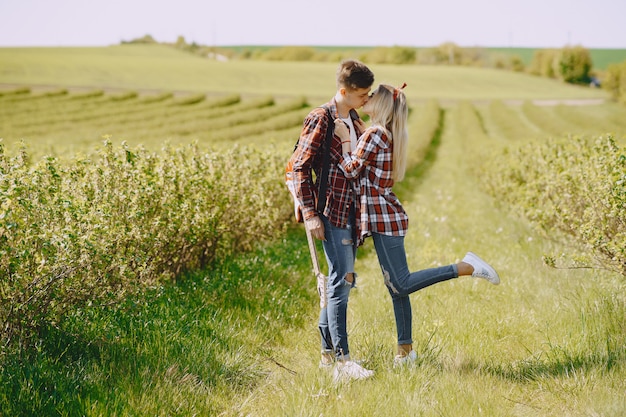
[(390, 111)]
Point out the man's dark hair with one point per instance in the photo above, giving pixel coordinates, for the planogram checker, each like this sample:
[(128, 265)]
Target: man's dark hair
[(353, 75)]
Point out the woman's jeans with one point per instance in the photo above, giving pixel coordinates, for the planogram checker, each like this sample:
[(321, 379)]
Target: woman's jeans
[(400, 282), (340, 250)]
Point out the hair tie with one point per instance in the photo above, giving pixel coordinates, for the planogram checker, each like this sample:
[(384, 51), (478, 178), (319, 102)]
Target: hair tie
[(397, 90)]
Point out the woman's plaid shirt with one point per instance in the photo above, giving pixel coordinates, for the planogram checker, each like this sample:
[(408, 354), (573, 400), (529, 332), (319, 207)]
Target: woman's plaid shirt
[(371, 162), (307, 160)]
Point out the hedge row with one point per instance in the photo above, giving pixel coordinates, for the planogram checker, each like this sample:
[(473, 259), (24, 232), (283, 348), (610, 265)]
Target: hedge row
[(572, 186), (92, 231)]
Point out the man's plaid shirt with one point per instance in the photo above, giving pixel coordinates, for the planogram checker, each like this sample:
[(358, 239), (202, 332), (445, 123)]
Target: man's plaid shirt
[(371, 162), (307, 160)]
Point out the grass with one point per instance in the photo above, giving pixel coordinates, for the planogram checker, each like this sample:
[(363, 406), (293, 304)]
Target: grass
[(192, 348), (241, 337), (157, 67), (545, 342), (601, 58)]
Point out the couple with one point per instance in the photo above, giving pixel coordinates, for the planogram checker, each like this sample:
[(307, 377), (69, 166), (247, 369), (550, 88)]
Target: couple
[(364, 164)]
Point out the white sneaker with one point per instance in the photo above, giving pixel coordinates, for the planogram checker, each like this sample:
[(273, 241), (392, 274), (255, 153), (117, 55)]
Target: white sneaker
[(345, 371), (405, 360), (481, 268)]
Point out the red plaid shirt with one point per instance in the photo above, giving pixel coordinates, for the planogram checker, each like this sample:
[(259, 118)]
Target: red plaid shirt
[(307, 159), (371, 162)]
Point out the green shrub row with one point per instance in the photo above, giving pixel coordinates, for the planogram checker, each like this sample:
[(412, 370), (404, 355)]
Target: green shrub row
[(546, 120), (61, 125), (423, 129), (94, 230), (574, 186), (508, 121)]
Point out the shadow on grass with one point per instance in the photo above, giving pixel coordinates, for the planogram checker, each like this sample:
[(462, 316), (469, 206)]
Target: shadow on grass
[(554, 364), (565, 366)]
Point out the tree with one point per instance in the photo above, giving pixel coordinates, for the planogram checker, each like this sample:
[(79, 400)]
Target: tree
[(181, 43), (542, 63), (615, 81), (147, 39), (402, 55), (573, 65), (394, 55)]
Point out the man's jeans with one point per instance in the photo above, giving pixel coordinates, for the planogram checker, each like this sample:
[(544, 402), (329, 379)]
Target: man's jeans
[(340, 250), (400, 282)]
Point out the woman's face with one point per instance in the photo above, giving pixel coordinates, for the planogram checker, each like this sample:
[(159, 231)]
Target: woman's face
[(368, 108), (372, 99)]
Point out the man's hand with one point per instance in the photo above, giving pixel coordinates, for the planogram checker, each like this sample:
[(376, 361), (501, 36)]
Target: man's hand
[(316, 227)]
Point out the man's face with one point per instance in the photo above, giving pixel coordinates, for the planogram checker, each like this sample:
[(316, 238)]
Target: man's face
[(356, 98)]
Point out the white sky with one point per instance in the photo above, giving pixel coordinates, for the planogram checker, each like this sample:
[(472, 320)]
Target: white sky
[(521, 23)]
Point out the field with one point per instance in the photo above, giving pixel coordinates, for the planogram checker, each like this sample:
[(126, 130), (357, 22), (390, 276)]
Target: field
[(239, 337), (148, 94)]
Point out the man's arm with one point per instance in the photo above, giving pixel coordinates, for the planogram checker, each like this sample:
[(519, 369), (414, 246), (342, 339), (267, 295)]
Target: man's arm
[(305, 160)]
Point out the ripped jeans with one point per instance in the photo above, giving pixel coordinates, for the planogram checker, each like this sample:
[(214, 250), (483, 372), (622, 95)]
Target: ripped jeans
[(340, 251), (400, 282)]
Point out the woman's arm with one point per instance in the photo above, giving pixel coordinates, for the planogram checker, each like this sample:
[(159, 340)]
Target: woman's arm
[(353, 163)]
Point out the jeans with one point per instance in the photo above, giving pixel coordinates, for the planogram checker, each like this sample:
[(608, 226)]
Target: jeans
[(400, 282), (340, 251)]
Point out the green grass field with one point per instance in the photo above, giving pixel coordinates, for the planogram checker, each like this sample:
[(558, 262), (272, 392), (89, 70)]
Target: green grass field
[(601, 58), (156, 67), (240, 338), (79, 95)]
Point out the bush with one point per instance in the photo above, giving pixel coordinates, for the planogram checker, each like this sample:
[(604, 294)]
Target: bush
[(451, 54), (569, 64), (96, 230), (290, 53), (446, 53), (615, 82), (571, 186), (574, 64), (508, 62), (395, 55), (146, 39), (542, 63)]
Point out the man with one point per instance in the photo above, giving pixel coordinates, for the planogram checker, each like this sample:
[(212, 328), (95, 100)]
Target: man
[(336, 224)]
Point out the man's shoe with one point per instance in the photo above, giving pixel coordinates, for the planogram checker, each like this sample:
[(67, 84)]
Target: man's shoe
[(481, 268), (405, 360), (348, 370)]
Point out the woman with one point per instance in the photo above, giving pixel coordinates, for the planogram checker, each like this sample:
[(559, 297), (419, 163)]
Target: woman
[(378, 161)]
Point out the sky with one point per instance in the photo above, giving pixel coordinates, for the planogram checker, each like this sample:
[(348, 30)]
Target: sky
[(415, 23)]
